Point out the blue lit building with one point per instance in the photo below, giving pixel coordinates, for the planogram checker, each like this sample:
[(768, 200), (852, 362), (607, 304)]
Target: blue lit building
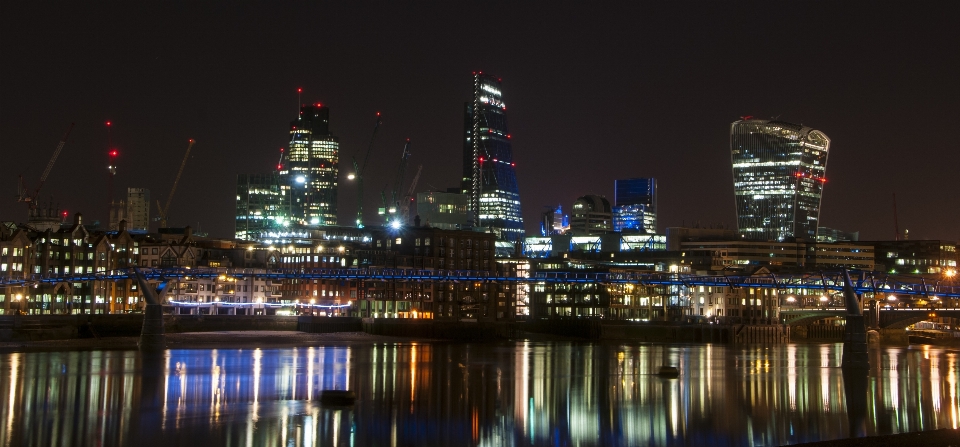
[(635, 205), (489, 173), (778, 176)]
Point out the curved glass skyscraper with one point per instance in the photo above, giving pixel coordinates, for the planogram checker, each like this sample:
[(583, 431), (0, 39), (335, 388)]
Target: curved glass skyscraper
[(308, 173), (778, 175), (489, 173)]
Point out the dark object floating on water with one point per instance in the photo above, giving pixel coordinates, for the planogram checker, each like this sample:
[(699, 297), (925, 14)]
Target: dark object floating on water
[(669, 372), (338, 397)]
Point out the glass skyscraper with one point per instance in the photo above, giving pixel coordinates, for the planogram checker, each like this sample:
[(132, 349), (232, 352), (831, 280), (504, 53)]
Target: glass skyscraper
[(489, 173), (309, 168), (778, 176), (261, 206), (635, 205)]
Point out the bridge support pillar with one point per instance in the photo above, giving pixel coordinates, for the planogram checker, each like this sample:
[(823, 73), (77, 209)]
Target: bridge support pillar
[(855, 355), (152, 336)]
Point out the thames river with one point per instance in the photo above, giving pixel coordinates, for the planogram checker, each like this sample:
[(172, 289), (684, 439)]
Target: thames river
[(457, 394)]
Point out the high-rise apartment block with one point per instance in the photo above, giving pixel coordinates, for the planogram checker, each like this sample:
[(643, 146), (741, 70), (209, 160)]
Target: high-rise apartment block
[(635, 205), (489, 173), (778, 176), (310, 166)]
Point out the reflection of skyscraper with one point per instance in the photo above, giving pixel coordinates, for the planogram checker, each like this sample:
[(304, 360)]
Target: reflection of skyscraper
[(489, 174), (778, 177), (308, 172), (635, 205)]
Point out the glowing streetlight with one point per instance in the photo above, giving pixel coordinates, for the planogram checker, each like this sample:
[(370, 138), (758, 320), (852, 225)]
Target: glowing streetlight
[(351, 176)]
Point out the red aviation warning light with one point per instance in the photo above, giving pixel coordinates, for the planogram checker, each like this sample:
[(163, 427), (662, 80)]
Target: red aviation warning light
[(299, 90), (822, 179), (109, 123), (114, 153)]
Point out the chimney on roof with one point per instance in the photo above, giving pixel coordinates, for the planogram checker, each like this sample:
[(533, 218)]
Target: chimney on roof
[(77, 219), (122, 226)]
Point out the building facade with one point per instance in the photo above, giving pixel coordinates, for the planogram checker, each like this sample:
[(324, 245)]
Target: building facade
[(779, 170), (591, 215), (635, 205), (444, 210), (553, 221), (138, 209), (309, 168), (489, 172), (262, 206)]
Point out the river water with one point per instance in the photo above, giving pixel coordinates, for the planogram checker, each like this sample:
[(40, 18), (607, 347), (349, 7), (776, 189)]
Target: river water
[(457, 394)]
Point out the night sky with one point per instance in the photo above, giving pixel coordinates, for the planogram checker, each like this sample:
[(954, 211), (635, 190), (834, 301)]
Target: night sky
[(592, 93)]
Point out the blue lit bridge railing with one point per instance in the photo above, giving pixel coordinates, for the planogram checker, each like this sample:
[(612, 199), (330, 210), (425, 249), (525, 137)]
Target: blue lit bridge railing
[(864, 282)]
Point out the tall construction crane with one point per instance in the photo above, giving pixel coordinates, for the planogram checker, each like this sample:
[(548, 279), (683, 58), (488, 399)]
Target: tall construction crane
[(408, 197), (358, 173), (397, 183), (163, 210), (31, 199)]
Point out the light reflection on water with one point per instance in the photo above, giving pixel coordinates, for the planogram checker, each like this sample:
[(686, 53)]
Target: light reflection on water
[(473, 394)]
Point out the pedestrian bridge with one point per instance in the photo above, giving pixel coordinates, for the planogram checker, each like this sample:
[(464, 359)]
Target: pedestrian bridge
[(865, 282), (892, 318)]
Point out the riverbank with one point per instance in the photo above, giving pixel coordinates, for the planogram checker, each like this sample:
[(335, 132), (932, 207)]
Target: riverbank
[(218, 339), (935, 438)]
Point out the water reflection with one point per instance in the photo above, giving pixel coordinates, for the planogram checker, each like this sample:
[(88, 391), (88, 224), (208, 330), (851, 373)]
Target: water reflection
[(473, 394)]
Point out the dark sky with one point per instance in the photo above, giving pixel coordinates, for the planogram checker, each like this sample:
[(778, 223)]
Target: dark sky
[(594, 93)]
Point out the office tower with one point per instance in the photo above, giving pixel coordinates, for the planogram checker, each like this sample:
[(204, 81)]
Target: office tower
[(262, 207), (635, 205), (553, 221), (138, 209), (489, 173), (778, 177), (444, 210), (309, 168), (591, 215)]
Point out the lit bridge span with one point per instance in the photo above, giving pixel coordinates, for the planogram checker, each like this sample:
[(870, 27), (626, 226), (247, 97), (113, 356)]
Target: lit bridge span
[(864, 282), (892, 318)]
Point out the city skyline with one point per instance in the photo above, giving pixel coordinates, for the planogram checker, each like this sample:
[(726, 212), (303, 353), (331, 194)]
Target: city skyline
[(601, 100)]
